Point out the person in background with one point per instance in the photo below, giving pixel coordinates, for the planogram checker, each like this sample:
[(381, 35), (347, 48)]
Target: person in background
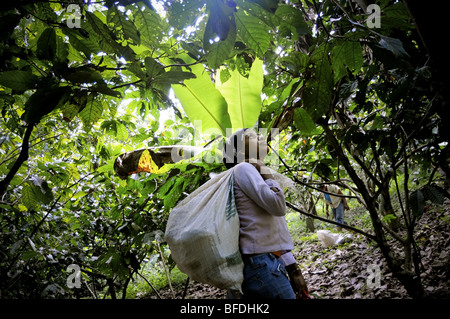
[(270, 269), (338, 204)]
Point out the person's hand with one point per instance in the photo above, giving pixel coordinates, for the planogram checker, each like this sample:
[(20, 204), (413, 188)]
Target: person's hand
[(262, 168), (298, 283)]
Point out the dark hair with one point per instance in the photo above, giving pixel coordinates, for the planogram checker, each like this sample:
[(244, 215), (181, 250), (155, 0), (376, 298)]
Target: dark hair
[(231, 142)]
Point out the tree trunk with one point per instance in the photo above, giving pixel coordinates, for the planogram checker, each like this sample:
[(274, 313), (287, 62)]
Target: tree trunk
[(412, 283), (23, 156)]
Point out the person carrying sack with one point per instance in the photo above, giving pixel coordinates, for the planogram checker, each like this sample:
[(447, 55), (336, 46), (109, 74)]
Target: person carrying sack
[(338, 204), (270, 269)]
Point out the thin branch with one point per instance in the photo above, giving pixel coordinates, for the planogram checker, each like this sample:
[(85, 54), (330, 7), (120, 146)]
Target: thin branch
[(306, 184), (418, 126), (165, 268), (359, 231), (126, 84), (184, 64), (149, 283), (363, 166), (89, 288)]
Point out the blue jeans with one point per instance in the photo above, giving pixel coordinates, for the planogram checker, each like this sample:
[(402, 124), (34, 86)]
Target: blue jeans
[(266, 277), (339, 213)]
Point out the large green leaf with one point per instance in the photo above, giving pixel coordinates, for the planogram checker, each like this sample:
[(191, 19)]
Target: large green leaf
[(304, 123), (203, 102), (36, 192), (290, 20), (148, 23), (433, 193), (417, 203), (124, 25), (243, 95), (254, 32), (181, 15), (18, 80), (92, 112), (318, 90), (106, 38), (347, 54), (43, 101), (86, 45), (218, 51), (46, 44), (220, 33)]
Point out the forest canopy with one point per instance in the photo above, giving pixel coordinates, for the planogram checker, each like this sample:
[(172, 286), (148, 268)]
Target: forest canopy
[(349, 92)]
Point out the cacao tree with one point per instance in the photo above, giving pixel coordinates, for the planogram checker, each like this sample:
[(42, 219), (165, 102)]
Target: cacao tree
[(356, 90)]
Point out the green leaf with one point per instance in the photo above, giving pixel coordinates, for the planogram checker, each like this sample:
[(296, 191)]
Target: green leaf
[(378, 123), (102, 87), (171, 198), (62, 50), (296, 61), (220, 20), (304, 123), (46, 45), (165, 188), (18, 80), (289, 18), (36, 192), (393, 45), (86, 45), (202, 101), (183, 14), (42, 190), (116, 128), (346, 54), (417, 203), (318, 90), (106, 38), (254, 32), (91, 113), (243, 95), (174, 77), (218, 51), (152, 67), (136, 69), (28, 198), (123, 25), (433, 194), (43, 101), (148, 23), (388, 218), (84, 76)]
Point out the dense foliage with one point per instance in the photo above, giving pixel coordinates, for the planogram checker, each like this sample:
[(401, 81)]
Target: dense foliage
[(352, 89)]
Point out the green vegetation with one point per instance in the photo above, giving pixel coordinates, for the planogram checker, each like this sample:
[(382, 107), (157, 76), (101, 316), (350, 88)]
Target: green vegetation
[(344, 99)]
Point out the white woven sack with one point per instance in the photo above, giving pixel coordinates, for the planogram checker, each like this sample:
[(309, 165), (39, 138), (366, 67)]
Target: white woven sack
[(203, 234)]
